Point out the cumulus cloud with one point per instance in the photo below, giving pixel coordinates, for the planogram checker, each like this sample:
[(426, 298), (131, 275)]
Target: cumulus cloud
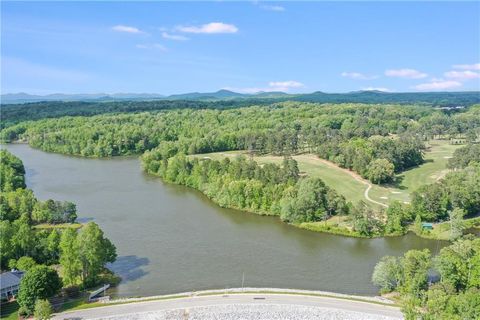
[(475, 66), (283, 86), (438, 84), (405, 73), (357, 76), (377, 89), (462, 75), (209, 28), (175, 37), (127, 29)]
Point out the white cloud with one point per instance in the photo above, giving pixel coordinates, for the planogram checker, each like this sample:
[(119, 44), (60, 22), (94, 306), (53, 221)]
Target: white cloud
[(462, 75), (157, 46), (438, 85), (283, 86), (377, 89), (273, 8), (475, 66), (405, 73), (209, 28), (286, 84), (127, 29), (357, 76), (175, 37)]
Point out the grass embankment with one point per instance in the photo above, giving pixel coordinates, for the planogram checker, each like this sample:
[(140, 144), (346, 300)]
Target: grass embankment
[(441, 231), (49, 226)]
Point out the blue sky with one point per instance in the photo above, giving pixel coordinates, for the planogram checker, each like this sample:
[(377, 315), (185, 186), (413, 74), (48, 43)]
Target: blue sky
[(170, 47)]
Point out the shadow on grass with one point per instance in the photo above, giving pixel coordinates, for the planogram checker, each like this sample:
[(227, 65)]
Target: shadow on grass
[(9, 310)]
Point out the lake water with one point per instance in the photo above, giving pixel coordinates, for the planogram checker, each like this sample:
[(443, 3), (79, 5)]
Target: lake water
[(172, 239)]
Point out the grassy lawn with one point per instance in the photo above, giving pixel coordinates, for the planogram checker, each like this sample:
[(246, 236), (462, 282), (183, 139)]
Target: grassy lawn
[(58, 226), (434, 168)]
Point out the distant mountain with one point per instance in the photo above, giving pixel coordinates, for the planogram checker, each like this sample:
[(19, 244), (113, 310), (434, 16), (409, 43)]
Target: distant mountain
[(218, 95), (365, 96), (22, 97)]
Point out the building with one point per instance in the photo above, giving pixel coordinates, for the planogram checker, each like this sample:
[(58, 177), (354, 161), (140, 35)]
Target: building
[(9, 283), (427, 226)]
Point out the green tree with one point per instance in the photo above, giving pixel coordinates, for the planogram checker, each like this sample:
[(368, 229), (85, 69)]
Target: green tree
[(415, 264), (70, 257), (396, 216), (95, 252), (380, 171), (40, 282), (25, 263), (457, 224), (43, 309), (387, 273), (459, 264)]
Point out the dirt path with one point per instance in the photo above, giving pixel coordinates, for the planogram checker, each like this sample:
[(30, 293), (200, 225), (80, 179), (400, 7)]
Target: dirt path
[(357, 177)]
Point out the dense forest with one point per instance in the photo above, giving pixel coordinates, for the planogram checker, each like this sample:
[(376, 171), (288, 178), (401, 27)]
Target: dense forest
[(456, 294), (376, 141), (223, 99), (351, 135), (79, 256)]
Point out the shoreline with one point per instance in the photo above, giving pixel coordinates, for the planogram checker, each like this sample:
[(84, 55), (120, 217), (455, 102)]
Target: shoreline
[(318, 227), (252, 290)]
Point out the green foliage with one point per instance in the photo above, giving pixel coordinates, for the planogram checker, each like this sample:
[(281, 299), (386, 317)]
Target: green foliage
[(456, 223), (353, 135), (82, 257), (464, 156), (365, 220), (387, 273), (40, 282), (243, 184), (415, 265), (12, 172), (459, 264), (311, 200), (95, 251), (459, 189), (380, 171), (43, 310), (398, 215), (455, 296), (25, 264)]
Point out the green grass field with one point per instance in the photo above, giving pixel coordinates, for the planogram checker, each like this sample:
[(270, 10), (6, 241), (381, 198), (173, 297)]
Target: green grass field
[(352, 189)]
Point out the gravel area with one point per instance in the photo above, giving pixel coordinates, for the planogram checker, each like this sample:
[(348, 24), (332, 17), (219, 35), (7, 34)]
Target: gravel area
[(250, 312)]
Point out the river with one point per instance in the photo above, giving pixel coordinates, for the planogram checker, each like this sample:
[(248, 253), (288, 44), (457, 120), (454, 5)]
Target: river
[(172, 239)]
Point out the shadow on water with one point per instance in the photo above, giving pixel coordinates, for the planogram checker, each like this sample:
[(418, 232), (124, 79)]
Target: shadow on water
[(85, 219), (129, 268)]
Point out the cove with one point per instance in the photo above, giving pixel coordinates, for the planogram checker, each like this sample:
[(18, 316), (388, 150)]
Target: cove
[(172, 239)]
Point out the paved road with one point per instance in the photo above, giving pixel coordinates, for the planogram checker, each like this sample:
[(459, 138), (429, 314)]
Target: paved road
[(236, 299)]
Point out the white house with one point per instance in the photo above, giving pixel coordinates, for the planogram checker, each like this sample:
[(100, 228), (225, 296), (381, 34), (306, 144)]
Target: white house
[(9, 283)]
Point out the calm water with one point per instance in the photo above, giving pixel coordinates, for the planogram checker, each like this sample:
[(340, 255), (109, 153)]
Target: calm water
[(172, 239)]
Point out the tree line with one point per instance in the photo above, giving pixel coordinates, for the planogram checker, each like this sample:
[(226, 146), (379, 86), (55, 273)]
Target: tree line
[(80, 255), (374, 141)]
